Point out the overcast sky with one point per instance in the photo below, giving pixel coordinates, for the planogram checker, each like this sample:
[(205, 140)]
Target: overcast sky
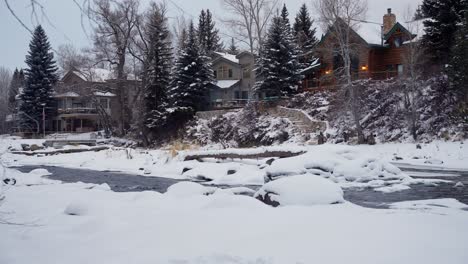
[(65, 21)]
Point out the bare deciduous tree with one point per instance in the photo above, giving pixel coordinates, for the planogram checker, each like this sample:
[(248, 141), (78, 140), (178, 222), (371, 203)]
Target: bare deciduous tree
[(251, 19), (413, 61), (68, 57), (340, 18), (5, 80), (115, 27)]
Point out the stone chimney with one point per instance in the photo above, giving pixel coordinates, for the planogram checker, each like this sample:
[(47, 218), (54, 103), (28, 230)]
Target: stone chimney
[(389, 20)]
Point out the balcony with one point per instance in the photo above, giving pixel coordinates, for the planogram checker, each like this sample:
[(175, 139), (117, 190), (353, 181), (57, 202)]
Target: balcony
[(77, 112), (228, 104)]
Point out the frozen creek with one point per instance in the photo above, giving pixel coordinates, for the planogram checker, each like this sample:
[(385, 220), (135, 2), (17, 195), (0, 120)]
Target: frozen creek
[(367, 197)]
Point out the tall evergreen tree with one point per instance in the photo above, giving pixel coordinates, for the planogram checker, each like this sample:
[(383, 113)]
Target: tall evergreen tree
[(13, 91), (458, 68), (278, 64), (208, 35), (158, 59), (305, 36), (444, 16), (192, 76), (40, 77), (233, 48)]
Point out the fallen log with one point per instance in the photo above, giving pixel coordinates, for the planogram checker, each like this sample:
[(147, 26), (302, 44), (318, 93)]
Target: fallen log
[(266, 154), (60, 151)]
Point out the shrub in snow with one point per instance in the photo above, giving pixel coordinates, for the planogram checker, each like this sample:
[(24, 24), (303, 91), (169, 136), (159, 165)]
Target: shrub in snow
[(300, 190), (384, 112), (245, 128), (188, 189), (76, 208)]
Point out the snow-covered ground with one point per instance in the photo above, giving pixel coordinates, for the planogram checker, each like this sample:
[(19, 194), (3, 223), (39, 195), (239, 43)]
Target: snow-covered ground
[(46, 221), (85, 223)]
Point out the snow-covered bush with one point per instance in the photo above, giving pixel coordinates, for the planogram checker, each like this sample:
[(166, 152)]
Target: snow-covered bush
[(245, 128), (384, 113)]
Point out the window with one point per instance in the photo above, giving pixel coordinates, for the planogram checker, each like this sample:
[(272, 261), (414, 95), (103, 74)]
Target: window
[(246, 73), (215, 73), (104, 103), (230, 73), (236, 95), (245, 95), (222, 72), (398, 42), (400, 69)]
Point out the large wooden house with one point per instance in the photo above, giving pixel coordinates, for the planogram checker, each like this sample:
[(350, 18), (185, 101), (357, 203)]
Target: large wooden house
[(379, 52)]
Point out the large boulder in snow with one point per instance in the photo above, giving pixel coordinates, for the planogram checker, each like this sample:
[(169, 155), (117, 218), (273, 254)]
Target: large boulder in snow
[(300, 190)]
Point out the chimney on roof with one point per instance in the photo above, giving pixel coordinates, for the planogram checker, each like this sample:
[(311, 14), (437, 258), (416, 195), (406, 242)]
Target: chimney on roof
[(389, 20)]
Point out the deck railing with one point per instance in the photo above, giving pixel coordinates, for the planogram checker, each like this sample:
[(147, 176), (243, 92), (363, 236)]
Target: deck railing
[(78, 110)]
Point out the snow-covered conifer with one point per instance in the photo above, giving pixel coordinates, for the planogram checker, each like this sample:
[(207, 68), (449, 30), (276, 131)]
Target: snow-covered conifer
[(278, 64), (40, 77)]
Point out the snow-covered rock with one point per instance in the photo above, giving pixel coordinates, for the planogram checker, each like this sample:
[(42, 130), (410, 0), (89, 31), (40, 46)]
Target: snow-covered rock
[(342, 164), (76, 208), (102, 187), (40, 172), (300, 190)]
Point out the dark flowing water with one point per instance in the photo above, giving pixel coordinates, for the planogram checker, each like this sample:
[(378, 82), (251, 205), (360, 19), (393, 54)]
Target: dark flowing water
[(367, 197)]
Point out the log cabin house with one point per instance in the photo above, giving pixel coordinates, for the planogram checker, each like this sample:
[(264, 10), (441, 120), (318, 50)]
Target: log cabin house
[(379, 52)]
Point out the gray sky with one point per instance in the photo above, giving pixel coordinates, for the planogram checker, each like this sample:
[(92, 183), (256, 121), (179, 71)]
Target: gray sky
[(65, 21)]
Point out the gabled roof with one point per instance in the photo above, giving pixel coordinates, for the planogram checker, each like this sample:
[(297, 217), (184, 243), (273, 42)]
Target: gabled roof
[(225, 84), (225, 60), (394, 29), (226, 56), (369, 33), (244, 53)]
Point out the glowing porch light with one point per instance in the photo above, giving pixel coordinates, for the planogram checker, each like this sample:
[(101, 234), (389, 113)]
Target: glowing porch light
[(364, 68)]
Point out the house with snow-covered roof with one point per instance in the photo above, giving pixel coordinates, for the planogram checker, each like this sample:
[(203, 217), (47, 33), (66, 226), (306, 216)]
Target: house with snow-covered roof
[(86, 101), (380, 51), (234, 80)]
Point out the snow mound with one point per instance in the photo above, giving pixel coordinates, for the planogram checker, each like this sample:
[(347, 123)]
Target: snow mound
[(221, 200), (76, 208), (230, 173), (102, 187), (301, 190), (40, 172), (341, 164), (188, 189)]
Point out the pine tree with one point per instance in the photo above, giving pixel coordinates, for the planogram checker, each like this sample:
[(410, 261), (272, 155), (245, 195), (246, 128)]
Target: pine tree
[(305, 36), (278, 64), (233, 48), (13, 90), (439, 37), (157, 73), (458, 68), (208, 35), (192, 75), (40, 77)]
